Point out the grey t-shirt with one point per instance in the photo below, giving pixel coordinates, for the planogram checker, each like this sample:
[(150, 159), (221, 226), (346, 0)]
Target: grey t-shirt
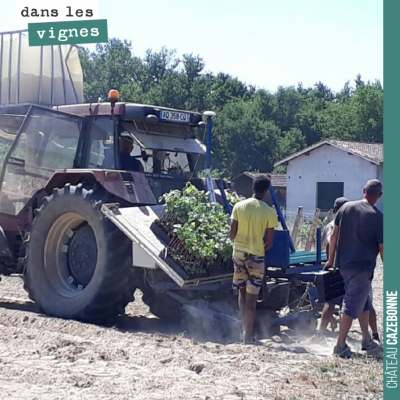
[(360, 233)]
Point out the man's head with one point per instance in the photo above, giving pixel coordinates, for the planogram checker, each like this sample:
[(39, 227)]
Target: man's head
[(373, 191), (125, 143), (261, 185), (339, 203)]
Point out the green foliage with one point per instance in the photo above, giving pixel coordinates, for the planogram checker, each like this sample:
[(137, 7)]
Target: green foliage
[(254, 128), (234, 198), (205, 233), (201, 225), (291, 142), (180, 203), (302, 235), (304, 231), (280, 169), (215, 173)]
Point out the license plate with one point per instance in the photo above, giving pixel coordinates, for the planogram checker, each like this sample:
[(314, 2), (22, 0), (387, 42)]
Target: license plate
[(175, 116)]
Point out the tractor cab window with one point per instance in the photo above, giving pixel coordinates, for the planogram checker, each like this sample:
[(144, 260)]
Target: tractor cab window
[(162, 162), (47, 141), (158, 154), (9, 125), (101, 152), (168, 151)]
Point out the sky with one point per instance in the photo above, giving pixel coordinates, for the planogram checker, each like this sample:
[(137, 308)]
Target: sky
[(266, 43)]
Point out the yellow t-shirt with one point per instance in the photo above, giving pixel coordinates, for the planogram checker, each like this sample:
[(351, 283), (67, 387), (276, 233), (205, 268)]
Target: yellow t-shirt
[(253, 217)]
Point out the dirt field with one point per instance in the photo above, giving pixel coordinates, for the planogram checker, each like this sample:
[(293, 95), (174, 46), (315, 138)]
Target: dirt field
[(47, 358)]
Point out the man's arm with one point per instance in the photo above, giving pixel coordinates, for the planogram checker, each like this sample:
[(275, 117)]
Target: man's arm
[(234, 229), (381, 251), (235, 223), (332, 247), (269, 238)]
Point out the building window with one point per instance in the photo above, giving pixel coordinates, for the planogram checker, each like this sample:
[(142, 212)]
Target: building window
[(327, 193)]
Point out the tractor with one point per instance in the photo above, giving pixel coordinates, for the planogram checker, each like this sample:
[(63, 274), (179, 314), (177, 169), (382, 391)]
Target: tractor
[(61, 169)]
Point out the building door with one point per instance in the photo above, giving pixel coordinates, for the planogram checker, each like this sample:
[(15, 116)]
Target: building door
[(327, 193)]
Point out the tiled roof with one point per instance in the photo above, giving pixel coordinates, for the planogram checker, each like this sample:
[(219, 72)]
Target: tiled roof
[(278, 180), (372, 151), (369, 151)]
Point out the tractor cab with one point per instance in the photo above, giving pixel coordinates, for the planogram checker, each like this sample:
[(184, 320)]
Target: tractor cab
[(55, 144)]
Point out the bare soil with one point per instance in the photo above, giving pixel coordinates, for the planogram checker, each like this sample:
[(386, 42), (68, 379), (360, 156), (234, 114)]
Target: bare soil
[(142, 358)]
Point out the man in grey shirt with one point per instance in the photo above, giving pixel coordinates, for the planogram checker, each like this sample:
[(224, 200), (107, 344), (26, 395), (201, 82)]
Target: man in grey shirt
[(357, 239)]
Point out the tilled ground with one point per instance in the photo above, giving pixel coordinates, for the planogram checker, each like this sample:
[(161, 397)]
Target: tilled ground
[(49, 358)]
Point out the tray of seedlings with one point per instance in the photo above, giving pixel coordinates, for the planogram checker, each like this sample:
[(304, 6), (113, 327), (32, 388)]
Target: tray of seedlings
[(196, 232)]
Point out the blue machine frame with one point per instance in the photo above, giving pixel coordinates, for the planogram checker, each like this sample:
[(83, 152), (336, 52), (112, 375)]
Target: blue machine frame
[(283, 254)]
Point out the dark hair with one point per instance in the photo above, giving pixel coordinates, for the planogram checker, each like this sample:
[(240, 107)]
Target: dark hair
[(373, 187), (261, 184), (339, 202)]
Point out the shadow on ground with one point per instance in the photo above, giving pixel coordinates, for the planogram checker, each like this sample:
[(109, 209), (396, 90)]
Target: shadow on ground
[(130, 323), (20, 306)]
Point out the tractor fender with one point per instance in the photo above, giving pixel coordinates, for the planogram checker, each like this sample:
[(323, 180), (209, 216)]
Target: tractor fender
[(132, 187)]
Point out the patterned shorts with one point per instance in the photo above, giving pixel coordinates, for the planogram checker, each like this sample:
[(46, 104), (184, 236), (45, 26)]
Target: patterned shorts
[(248, 272)]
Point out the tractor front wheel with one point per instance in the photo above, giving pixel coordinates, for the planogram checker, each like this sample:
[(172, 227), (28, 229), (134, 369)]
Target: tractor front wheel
[(78, 264)]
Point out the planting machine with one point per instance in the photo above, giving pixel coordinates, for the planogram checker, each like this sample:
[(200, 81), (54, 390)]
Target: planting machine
[(83, 233)]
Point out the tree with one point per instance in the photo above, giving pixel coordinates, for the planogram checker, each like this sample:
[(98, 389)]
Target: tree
[(291, 142), (346, 93), (193, 66), (368, 107), (287, 102), (243, 141)]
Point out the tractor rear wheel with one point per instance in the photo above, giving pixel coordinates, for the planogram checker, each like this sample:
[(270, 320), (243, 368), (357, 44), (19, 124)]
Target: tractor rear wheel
[(78, 264)]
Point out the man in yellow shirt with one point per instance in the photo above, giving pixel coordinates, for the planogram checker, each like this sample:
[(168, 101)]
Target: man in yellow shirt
[(252, 229)]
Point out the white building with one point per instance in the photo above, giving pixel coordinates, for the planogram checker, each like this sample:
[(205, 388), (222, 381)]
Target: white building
[(319, 174)]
